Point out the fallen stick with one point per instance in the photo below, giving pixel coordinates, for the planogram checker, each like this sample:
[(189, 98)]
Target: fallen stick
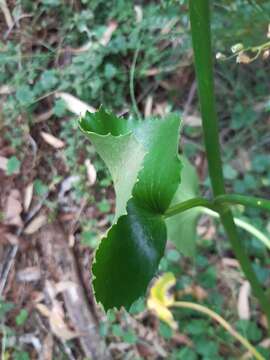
[(61, 258)]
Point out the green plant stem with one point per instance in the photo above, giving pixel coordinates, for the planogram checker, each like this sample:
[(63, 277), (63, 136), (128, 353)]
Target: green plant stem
[(213, 315), (243, 200), (251, 229), (199, 11), (189, 204), (209, 208), (201, 40)]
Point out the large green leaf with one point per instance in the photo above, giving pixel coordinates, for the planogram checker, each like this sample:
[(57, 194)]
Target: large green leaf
[(119, 149), (182, 227), (143, 160)]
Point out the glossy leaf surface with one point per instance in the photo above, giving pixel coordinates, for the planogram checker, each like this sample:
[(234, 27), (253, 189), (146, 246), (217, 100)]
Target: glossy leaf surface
[(142, 158)]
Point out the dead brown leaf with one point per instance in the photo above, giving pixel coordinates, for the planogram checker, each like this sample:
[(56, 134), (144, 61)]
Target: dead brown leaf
[(75, 105), (138, 13), (47, 348), (71, 240), (243, 301), (6, 89), (52, 140), (230, 262), (11, 238), (193, 120), (161, 108), (105, 39), (35, 224), (195, 290), (29, 274), (3, 163), (55, 316), (263, 321), (265, 343), (242, 161), (58, 325), (91, 172), (145, 350), (53, 289), (112, 26), (28, 194), (169, 26), (181, 339), (43, 309), (67, 285), (13, 209), (148, 106)]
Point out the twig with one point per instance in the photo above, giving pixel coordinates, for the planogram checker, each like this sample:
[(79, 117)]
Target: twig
[(7, 267), (78, 215), (55, 247), (131, 83), (191, 95), (6, 12)]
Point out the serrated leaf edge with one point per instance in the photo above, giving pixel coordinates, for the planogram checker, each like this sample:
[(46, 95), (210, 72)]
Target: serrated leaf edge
[(104, 238)]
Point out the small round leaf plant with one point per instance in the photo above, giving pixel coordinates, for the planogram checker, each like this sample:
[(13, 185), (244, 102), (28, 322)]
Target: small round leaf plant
[(157, 190)]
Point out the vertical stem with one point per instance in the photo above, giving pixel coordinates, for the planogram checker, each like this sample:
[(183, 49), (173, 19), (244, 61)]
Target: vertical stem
[(201, 40), (199, 12)]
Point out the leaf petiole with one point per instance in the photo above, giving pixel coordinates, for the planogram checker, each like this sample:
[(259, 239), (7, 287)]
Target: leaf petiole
[(189, 204), (251, 201), (218, 203)]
